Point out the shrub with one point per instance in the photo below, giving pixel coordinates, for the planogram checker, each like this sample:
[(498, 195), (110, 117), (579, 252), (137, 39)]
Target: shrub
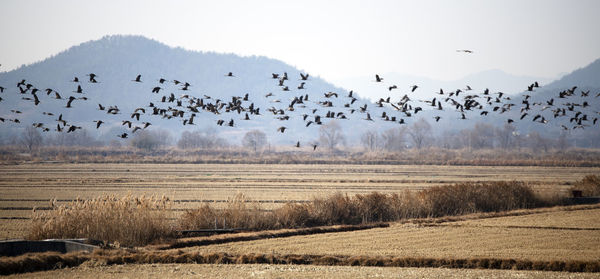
[(238, 213), (464, 198), (338, 209), (589, 185), (139, 221), (129, 220)]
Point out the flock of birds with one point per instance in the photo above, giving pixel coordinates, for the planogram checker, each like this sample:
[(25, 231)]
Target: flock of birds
[(187, 107)]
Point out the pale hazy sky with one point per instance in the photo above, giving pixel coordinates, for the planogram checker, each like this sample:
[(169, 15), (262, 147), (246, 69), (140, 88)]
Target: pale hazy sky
[(333, 39)]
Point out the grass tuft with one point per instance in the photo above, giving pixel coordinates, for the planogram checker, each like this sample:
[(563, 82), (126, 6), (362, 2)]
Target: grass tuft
[(127, 221)]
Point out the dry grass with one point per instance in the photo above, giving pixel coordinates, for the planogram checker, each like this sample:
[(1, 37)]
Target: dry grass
[(589, 185), (259, 182), (47, 261), (236, 213), (282, 155), (468, 239), (133, 221), (451, 200), (128, 220), (247, 236)]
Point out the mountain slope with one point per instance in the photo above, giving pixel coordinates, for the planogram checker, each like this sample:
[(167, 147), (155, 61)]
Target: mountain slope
[(117, 60)]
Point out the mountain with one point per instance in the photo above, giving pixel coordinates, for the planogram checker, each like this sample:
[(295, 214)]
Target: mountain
[(118, 60)]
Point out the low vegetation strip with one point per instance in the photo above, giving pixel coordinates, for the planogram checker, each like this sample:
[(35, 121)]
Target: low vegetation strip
[(134, 221), (276, 234), (48, 261), (580, 157)]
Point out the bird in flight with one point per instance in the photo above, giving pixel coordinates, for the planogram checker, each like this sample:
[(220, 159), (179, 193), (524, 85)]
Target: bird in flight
[(92, 77), (464, 50)]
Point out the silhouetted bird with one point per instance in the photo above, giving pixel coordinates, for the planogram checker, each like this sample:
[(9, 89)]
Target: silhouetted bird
[(126, 122), (71, 98), (98, 123), (92, 77)]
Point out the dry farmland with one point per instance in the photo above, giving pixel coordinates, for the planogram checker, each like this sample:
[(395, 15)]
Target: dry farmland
[(553, 234), (25, 186), (550, 236), (284, 271)]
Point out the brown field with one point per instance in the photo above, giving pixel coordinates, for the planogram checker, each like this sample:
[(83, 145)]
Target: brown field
[(574, 239), (284, 271), (558, 234), (25, 186)]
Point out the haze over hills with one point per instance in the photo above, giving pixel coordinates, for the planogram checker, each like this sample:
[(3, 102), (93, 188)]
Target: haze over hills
[(117, 60)]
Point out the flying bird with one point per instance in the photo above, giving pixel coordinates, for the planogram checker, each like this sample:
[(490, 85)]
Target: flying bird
[(98, 123)]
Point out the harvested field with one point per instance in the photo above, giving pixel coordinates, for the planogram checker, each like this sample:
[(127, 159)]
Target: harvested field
[(472, 243), (550, 237), (93, 270), (33, 185), (464, 239), (25, 186)]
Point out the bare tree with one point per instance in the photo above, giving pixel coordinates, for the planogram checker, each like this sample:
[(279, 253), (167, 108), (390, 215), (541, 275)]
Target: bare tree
[(205, 139), (451, 140), (151, 140), (505, 135), (394, 139), (562, 143), (482, 136), (79, 138), (369, 140), (537, 142), (254, 139), (31, 138), (330, 135), (419, 133)]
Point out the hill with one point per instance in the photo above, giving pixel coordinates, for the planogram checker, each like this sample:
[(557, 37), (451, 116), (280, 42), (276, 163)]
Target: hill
[(118, 60)]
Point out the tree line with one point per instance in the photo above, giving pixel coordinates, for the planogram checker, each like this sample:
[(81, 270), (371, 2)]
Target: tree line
[(332, 138)]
